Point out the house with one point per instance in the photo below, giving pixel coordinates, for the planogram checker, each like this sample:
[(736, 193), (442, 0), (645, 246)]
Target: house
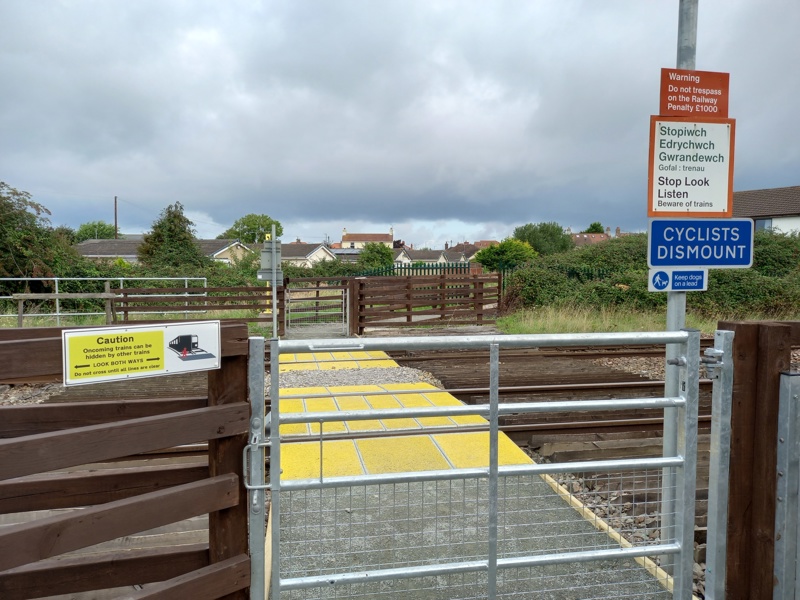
[(586, 239), (401, 256), (429, 257), (774, 208), (305, 255), (349, 255), (469, 250), (359, 240), (128, 249), (223, 250), (452, 256)]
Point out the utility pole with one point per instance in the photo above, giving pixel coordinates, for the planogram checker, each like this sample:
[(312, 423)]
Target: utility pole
[(116, 227)]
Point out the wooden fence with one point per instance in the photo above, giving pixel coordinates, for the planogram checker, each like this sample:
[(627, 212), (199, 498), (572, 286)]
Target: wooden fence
[(197, 303), (422, 301), (47, 454)]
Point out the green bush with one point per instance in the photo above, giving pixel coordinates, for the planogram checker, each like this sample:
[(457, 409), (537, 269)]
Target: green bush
[(612, 274), (776, 254)]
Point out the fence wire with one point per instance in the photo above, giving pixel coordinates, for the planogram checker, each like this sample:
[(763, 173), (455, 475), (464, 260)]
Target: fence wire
[(401, 525)]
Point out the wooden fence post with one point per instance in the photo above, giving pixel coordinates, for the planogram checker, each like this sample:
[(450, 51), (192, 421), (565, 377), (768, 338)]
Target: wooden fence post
[(227, 529), (761, 352)]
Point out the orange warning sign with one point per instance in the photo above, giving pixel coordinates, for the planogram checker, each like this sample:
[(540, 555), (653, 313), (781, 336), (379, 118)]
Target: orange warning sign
[(698, 94)]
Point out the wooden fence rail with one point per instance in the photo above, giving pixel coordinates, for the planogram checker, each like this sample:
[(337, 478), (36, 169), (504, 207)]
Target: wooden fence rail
[(49, 453)]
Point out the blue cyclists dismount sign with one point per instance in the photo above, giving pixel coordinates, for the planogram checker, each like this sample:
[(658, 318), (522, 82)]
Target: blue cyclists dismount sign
[(702, 243)]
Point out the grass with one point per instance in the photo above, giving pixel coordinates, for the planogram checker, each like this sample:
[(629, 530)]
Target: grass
[(584, 320)]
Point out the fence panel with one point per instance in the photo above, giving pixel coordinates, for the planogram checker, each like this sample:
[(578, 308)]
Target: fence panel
[(51, 455)]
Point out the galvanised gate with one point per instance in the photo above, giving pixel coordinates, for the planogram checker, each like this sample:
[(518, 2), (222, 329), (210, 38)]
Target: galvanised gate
[(476, 524)]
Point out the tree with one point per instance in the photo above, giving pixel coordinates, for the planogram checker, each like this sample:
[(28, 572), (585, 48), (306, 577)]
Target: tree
[(29, 246), (596, 227), (95, 230), (508, 254), (545, 238), (251, 229), (171, 242), (374, 256)]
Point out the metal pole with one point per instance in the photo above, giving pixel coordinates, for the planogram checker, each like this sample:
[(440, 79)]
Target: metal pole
[(687, 34), (274, 286), (676, 302), (687, 474), (494, 396)]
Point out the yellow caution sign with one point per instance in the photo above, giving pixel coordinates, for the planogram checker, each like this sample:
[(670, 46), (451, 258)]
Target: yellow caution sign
[(100, 355), (112, 353)]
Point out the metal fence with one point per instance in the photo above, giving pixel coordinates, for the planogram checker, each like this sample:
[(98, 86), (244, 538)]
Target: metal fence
[(66, 309), (318, 309), (571, 530)]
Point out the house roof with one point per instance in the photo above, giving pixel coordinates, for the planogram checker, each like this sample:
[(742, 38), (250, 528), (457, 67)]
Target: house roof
[(301, 250), (214, 247), (585, 239), (130, 247), (108, 248), (773, 202), (454, 256), (424, 254), (346, 254)]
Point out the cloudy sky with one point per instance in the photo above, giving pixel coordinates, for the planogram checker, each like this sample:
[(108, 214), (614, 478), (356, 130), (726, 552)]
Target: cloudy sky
[(448, 120)]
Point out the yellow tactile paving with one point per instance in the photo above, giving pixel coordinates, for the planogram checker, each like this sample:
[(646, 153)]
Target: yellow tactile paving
[(301, 460), (324, 405), (471, 449), (420, 452), (357, 403), (401, 454), (293, 405)]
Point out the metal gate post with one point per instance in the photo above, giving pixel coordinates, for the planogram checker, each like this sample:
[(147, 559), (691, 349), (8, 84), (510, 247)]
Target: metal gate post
[(788, 465), (720, 369), (275, 469), (256, 521), (686, 474), (494, 398)]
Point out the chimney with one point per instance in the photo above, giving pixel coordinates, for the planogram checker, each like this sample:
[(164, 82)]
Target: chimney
[(617, 234)]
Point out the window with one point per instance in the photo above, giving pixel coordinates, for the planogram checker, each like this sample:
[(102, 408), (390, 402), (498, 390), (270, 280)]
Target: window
[(762, 224)]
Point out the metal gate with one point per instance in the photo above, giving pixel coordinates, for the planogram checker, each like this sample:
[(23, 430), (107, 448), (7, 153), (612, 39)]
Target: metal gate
[(501, 531), (317, 311)]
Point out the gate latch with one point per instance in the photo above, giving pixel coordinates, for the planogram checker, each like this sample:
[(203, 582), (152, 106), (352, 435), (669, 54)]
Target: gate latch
[(712, 359)]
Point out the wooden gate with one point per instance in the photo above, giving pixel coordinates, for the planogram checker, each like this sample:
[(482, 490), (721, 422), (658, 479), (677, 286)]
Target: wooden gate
[(49, 463), (423, 301)]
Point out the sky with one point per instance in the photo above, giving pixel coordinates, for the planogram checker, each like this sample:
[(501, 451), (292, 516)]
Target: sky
[(444, 120)]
